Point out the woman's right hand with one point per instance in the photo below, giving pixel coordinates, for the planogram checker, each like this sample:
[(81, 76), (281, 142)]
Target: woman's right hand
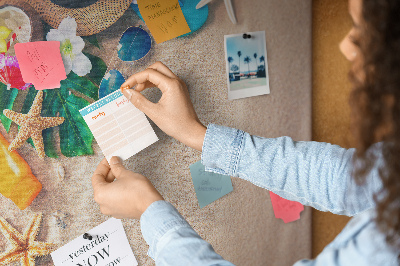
[(173, 113)]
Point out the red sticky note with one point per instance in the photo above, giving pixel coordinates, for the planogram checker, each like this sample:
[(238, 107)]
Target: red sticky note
[(284, 209), (41, 63)]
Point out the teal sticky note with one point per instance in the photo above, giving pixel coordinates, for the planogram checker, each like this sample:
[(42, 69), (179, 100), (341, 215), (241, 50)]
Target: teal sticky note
[(209, 186)]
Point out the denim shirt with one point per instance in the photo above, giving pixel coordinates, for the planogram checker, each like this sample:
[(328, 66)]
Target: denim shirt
[(312, 173)]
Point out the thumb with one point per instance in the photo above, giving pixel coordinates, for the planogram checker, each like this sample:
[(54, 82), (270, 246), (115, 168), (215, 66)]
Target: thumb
[(138, 100), (117, 167)]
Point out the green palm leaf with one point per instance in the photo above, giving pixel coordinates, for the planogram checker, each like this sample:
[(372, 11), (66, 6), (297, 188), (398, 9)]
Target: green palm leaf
[(75, 136), (7, 98)]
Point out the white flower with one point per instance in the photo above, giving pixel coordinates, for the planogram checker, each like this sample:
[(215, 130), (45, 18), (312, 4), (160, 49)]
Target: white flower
[(71, 47)]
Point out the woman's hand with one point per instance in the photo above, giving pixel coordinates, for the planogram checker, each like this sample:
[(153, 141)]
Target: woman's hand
[(126, 197), (174, 113)]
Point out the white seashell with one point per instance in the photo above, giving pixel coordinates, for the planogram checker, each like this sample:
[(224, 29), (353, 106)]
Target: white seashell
[(60, 171)]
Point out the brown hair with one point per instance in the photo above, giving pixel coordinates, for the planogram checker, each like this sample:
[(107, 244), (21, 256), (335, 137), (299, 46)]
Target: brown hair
[(375, 101)]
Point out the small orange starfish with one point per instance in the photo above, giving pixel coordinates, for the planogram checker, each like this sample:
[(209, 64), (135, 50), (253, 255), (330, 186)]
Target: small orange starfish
[(23, 247), (31, 125)]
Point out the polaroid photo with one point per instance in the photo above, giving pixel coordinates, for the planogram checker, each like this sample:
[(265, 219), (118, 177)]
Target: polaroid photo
[(246, 65)]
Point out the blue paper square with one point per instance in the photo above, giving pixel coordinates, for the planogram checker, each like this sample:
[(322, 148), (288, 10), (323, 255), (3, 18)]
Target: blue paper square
[(209, 186)]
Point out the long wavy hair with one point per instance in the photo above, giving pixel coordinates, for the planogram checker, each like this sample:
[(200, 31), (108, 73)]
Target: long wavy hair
[(375, 103)]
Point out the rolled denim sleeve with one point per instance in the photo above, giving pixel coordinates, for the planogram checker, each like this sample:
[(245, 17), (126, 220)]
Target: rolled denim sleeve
[(312, 173), (361, 243), (172, 241)]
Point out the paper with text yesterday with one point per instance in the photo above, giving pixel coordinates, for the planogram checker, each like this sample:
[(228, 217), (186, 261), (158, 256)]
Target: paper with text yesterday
[(109, 246), (118, 126), (41, 64), (164, 19)]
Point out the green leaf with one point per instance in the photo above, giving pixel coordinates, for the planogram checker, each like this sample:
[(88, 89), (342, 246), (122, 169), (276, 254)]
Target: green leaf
[(49, 147), (98, 70), (7, 98), (29, 100), (92, 39), (81, 84), (75, 136), (89, 84), (47, 134)]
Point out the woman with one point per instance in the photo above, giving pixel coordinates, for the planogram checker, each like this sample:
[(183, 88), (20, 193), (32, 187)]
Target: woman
[(316, 174)]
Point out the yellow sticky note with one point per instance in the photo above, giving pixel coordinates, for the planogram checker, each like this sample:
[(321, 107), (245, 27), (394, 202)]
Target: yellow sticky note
[(164, 18)]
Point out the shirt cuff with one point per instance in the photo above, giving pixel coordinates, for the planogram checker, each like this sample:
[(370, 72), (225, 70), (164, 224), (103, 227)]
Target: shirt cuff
[(221, 150), (158, 219)]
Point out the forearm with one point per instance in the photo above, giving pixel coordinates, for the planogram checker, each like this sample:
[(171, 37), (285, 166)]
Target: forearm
[(312, 173), (195, 136), (173, 241)]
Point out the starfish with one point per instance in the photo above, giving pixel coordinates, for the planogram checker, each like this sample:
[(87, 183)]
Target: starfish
[(31, 125), (23, 247)]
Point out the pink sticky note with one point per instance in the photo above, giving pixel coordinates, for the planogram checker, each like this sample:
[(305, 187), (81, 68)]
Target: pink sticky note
[(41, 64), (284, 209)]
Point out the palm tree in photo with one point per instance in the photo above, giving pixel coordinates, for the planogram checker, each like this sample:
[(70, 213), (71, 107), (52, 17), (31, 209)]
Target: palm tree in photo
[(239, 55), (230, 60), (234, 68), (255, 58), (247, 61), (262, 59)]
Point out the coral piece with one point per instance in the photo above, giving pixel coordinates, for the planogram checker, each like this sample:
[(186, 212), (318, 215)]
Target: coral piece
[(24, 247), (31, 125), (17, 181), (10, 73)]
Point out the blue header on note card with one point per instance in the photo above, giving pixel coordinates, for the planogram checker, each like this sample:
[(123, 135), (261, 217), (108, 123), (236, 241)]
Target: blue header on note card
[(96, 105)]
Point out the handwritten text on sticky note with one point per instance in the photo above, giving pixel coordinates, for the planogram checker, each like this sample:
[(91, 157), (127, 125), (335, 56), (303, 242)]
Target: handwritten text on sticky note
[(209, 186), (164, 18), (284, 209), (41, 63)]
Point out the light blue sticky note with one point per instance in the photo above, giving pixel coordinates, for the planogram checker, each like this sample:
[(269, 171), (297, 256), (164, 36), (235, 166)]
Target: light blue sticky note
[(209, 186)]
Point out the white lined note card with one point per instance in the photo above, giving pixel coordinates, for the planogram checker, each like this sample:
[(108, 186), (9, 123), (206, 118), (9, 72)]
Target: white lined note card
[(118, 126)]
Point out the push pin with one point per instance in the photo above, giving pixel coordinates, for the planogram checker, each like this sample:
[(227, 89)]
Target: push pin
[(246, 36), (87, 236)]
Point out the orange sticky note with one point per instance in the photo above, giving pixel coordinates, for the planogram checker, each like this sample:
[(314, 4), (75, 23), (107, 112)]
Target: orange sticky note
[(41, 64), (284, 209), (164, 18)]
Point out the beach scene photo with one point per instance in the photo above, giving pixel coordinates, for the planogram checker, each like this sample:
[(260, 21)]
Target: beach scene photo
[(246, 64)]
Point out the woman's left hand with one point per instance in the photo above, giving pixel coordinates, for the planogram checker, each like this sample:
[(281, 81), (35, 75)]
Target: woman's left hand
[(126, 197)]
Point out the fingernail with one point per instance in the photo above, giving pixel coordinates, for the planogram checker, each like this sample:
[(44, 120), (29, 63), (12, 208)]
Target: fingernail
[(124, 88), (115, 160), (127, 93)]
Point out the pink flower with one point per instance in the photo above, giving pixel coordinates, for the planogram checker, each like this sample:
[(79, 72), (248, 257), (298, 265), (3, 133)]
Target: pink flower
[(10, 74)]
